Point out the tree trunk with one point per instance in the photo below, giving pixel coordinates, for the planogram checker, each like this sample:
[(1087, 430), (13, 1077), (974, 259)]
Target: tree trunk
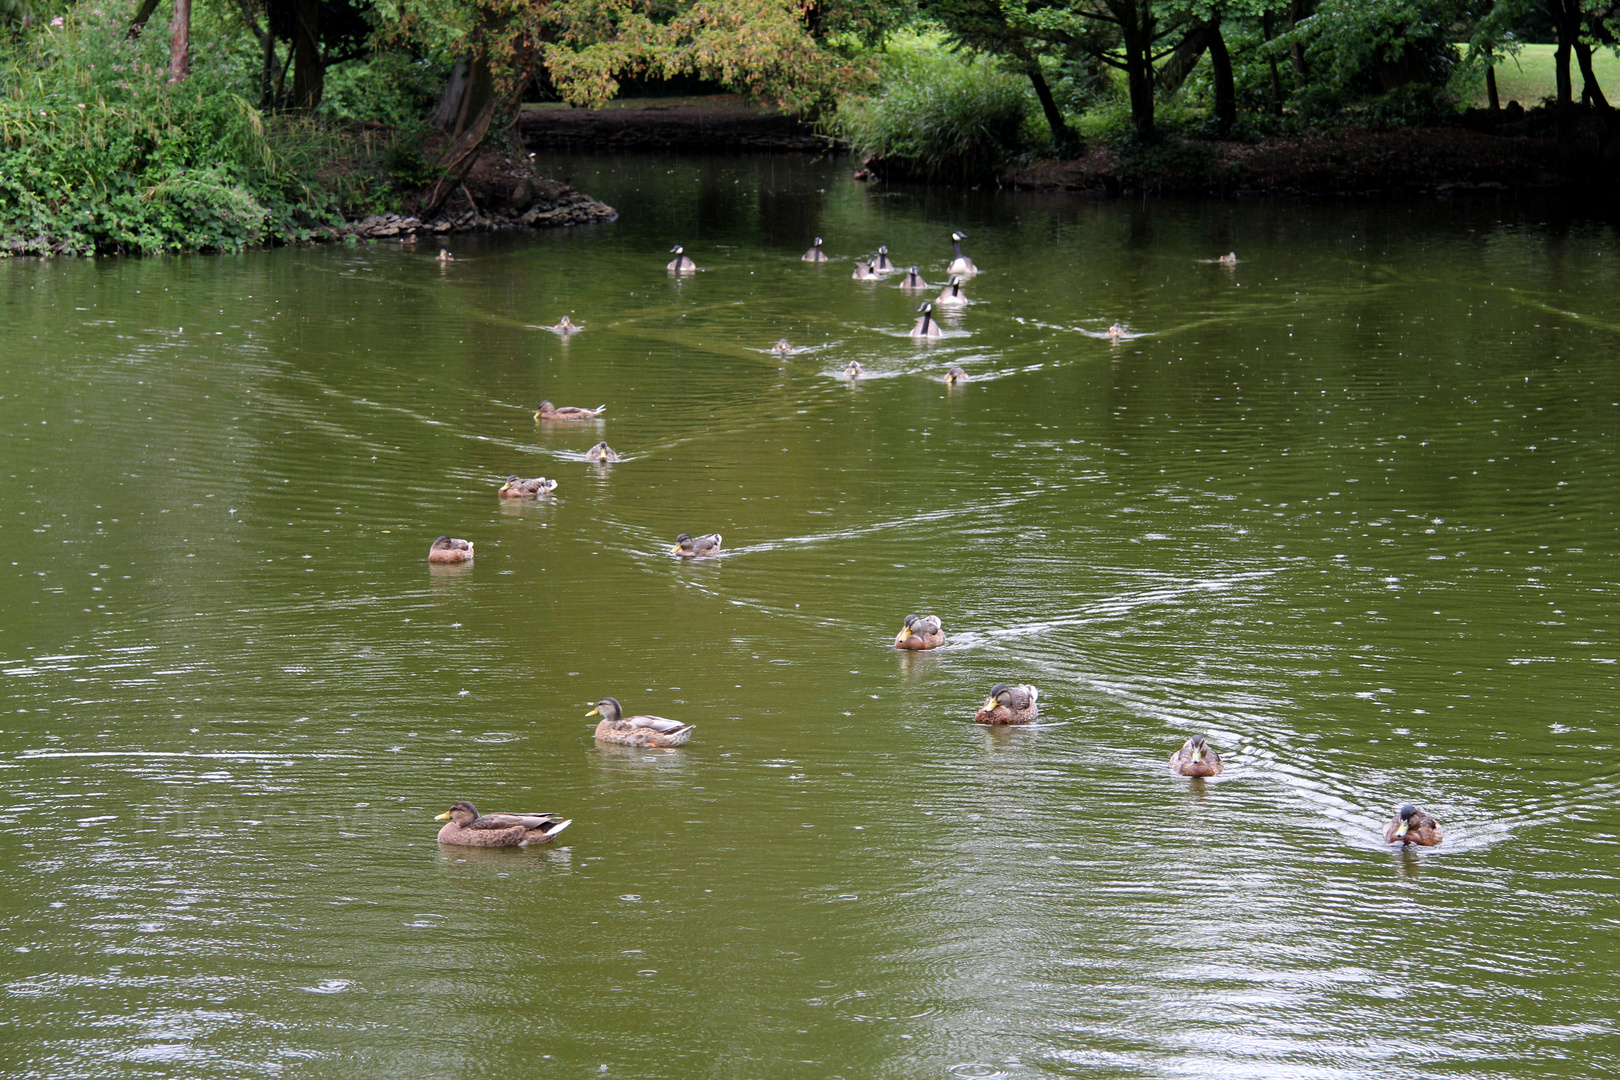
[(309, 72), (1220, 66), (180, 41), (1296, 51), (138, 23), (1136, 31), (1568, 30), (1062, 135), (1490, 88), (1591, 93), (455, 88), (1174, 71), (267, 76)]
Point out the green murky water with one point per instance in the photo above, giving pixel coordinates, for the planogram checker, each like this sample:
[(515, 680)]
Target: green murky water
[(1349, 507)]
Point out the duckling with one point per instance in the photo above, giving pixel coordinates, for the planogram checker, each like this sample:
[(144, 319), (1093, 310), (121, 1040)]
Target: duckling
[(1116, 333), (863, 271), (953, 294), (854, 371), (445, 256), (615, 727), (602, 452), (920, 633), (1008, 705), (516, 488), (548, 411), (815, 254), (447, 549), (701, 547), (913, 280), (954, 376), (1229, 259), (961, 264), (468, 828), (880, 261), (681, 263), (925, 326), (566, 327), (1196, 758), (1412, 826), (782, 348)]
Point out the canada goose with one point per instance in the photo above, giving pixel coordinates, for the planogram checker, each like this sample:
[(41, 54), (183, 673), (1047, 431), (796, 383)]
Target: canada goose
[(815, 254), (700, 547), (953, 294), (961, 264), (880, 261), (1412, 826), (681, 263), (925, 326), (863, 271), (468, 828), (1196, 758), (913, 280), (447, 549)]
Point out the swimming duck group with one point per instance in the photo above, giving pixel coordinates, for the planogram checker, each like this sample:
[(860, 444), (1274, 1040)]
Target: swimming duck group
[(1004, 706)]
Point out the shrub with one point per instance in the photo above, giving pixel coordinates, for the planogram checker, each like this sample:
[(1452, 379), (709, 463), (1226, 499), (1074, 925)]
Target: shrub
[(938, 115)]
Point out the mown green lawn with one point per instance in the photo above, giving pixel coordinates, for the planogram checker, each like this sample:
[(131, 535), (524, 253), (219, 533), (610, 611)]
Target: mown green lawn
[(1528, 77)]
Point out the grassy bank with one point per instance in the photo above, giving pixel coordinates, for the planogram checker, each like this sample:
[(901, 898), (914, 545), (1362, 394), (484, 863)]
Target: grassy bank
[(1528, 77)]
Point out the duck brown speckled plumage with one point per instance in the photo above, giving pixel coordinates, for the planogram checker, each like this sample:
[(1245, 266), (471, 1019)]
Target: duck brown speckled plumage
[(548, 411), (1196, 758), (615, 727), (920, 632), (602, 452), (447, 549), (1008, 705), (1412, 826), (688, 546), (468, 828), (518, 488)]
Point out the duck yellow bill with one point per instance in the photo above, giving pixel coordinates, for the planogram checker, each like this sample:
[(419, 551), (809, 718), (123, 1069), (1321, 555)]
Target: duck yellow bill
[(676, 550), (1402, 830), (595, 712), (989, 703), (505, 486), (443, 817)]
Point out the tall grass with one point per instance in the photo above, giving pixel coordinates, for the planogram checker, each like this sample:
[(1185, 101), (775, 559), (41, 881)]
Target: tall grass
[(99, 153), (938, 115)]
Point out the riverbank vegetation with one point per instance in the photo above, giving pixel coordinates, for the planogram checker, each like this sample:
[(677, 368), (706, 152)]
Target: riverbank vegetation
[(164, 125)]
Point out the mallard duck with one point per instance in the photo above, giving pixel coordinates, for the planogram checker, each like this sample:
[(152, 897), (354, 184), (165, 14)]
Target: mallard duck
[(1008, 705), (1412, 826), (782, 348), (913, 280), (952, 296), (854, 371), (445, 256), (961, 264), (548, 411), (925, 326), (1116, 333), (601, 452), (863, 271), (689, 547), (615, 727), (681, 263), (1229, 259), (815, 254), (469, 828), (518, 488), (880, 261), (954, 376), (1196, 758), (447, 549), (920, 633), (565, 327)]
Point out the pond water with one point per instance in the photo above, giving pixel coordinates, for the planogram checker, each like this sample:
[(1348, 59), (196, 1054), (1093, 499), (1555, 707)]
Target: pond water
[(1349, 507)]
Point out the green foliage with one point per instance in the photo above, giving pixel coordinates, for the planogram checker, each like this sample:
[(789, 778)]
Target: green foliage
[(98, 152), (939, 115), (392, 88)]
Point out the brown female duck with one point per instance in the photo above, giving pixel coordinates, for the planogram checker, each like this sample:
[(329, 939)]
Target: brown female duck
[(602, 452), (1412, 826), (518, 488), (447, 549), (700, 547), (615, 727), (954, 376), (1196, 758), (548, 411), (469, 828), (1008, 705), (920, 633)]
